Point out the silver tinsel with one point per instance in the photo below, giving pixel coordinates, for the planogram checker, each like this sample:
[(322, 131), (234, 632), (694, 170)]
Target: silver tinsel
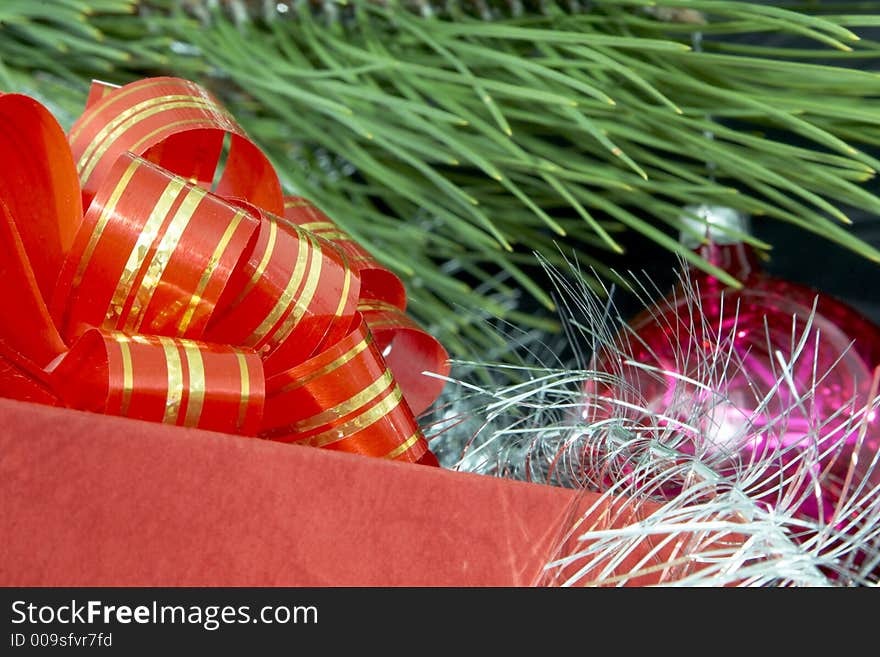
[(524, 422)]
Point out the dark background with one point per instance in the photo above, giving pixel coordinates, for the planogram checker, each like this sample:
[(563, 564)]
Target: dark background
[(798, 256), (809, 259)]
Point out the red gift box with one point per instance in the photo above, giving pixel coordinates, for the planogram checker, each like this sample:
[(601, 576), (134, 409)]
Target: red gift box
[(167, 302), (92, 500)]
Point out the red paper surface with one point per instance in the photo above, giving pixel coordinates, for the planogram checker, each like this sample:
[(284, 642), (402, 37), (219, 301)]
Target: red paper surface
[(92, 500)]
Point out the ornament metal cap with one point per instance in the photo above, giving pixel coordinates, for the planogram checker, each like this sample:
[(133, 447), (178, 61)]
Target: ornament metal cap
[(720, 225)]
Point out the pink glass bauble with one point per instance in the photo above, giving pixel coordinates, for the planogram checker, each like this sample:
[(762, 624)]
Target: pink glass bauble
[(733, 354)]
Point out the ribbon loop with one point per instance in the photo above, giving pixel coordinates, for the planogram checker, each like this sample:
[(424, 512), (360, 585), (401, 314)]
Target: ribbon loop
[(409, 351), (194, 307), (293, 292), (344, 398), (179, 126), (159, 271), (31, 335), (161, 379), (377, 282), (39, 185)]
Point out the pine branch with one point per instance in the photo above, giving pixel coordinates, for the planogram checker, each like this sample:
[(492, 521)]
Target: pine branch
[(454, 138)]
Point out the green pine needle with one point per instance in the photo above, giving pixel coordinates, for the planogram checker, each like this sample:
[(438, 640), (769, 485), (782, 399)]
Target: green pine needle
[(456, 138)]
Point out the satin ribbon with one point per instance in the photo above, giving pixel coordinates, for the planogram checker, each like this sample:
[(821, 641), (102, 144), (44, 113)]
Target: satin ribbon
[(139, 282)]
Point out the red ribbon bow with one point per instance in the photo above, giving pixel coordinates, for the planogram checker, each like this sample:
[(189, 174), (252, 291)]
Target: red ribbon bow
[(222, 306)]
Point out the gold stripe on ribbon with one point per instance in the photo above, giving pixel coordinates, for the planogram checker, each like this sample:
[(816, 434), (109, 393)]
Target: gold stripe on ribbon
[(302, 302), (329, 367), (377, 305), (287, 297), (357, 423), (165, 127), (175, 381), (375, 326), (301, 203), (127, 373), (316, 226), (142, 246), (130, 117), (337, 235), (161, 257), (122, 119), (196, 297), (400, 449), (107, 212), (196, 399), (261, 266), (346, 286), (245, 390), (101, 105), (342, 409)]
